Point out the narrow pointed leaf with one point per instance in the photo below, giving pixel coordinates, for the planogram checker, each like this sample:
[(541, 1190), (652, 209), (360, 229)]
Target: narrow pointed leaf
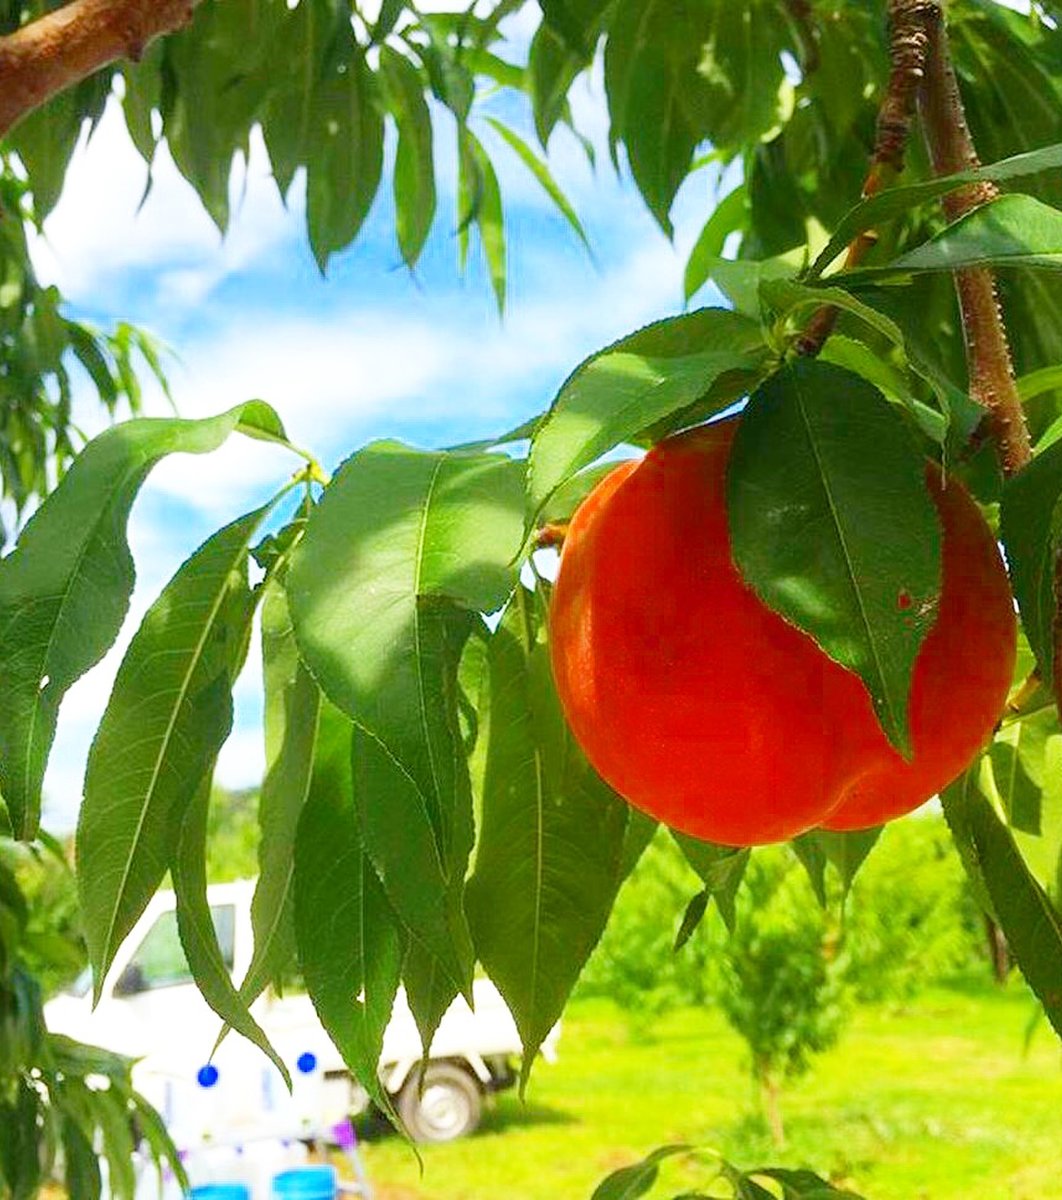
[(542, 174), (169, 713), (551, 846), (721, 869), (896, 201), (1018, 756), (1023, 909), (401, 552), (1031, 525), (414, 178), (196, 927), (350, 945), (628, 1183), (65, 589), (633, 384), (831, 523), (292, 714)]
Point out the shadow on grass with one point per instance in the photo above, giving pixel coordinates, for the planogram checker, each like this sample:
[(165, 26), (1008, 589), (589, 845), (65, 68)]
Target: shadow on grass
[(504, 1115)]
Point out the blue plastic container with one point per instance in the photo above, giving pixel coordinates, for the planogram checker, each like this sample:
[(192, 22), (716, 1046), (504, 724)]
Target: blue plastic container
[(306, 1183), (221, 1191)]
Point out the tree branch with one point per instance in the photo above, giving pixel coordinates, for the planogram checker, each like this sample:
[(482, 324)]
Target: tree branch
[(61, 48), (909, 22), (988, 356)]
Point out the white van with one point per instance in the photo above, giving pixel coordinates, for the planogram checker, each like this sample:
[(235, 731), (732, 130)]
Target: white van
[(151, 1010)]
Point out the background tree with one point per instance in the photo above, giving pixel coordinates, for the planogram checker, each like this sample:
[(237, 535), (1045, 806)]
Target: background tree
[(378, 581)]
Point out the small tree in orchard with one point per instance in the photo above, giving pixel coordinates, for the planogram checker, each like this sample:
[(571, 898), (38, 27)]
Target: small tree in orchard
[(782, 984), (794, 623)]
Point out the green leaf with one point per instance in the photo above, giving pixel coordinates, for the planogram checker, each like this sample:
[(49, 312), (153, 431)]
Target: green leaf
[(169, 713), (402, 550), (292, 714), (812, 856), (196, 926), (1030, 525), (634, 383), (1013, 231), (552, 68), (721, 869), (628, 1183), (727, 216), (896, 201), (957, 801), (831, 524), (1022, 907), (847, 851), (352, 978), (483, 205), (692, 917), (542, 174), (65, 589), (344, 156), (414, 178), (803, 1184), (1017, 754), (551, 842), (45, 139)]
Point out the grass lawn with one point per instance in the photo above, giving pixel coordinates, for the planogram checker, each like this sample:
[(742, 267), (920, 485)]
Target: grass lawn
[(929, 1102)]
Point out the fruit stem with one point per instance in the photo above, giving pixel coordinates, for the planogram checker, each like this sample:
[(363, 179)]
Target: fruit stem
[(988, 356), (909, 25)]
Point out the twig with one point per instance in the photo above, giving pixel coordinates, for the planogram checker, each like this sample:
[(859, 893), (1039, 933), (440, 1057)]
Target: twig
[(61, 48), (909, 22), (988, 356)]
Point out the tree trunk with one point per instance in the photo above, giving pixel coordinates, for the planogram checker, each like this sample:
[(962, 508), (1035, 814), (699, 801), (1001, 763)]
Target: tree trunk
[(772, 1108)]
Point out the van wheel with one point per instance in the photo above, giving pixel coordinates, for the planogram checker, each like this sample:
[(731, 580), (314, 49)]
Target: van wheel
[(447, 1106)]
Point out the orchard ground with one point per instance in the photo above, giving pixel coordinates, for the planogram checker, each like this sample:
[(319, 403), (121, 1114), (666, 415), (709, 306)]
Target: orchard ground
[(932, 1100)]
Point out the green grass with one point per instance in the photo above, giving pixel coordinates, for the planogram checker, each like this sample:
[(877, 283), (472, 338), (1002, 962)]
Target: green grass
[(929, 1102)]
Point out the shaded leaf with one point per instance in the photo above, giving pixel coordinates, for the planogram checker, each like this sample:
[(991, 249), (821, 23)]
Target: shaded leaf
[(720, 868), (414, 178), (628, 1183), (830, 522), (350, 946), (168, 715), (65, 589), (551, 844)]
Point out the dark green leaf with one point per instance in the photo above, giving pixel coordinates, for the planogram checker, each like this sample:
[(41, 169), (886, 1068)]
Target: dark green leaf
[(353, 978), (196, 926), (634, 383), (803, 1185), (550, 847), (403, 547), (45, 141), (292, 712), (167, 718), (414, 181), (831, 522), (1022, 907), (1030, 525), (65, 589), (720, 868), (809, 850), (692, 917), (628, 1183), (483, 205), (344, 157), (847, 851)]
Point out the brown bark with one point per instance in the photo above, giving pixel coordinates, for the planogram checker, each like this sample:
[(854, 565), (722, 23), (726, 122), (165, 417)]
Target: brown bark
[(61, 48), (772, 1107), (988, 356), (909, 22)]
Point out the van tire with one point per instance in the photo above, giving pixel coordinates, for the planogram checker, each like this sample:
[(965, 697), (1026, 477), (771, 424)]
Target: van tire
[(448, 1105)]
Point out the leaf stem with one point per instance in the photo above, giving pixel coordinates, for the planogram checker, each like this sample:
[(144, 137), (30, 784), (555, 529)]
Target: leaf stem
[(68, 44), (909, 36), (988, 356)]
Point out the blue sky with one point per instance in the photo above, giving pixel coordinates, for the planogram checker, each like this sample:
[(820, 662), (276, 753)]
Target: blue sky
[(368, 352)]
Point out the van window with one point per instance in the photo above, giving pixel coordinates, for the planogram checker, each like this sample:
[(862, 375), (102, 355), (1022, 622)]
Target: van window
[(159, 960)]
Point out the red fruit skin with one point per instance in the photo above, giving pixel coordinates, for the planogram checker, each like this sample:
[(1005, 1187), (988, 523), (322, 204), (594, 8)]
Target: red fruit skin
[(713, 714)]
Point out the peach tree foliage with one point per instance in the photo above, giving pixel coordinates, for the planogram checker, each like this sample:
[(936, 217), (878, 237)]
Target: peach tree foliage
[(422, 788)]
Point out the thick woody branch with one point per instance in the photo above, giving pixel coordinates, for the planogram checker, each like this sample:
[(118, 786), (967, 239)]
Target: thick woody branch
[(988, 356), (909, 22), (63, 47)]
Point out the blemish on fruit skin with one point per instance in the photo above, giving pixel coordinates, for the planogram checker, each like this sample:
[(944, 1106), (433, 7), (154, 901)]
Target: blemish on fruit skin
[(903, 600)]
